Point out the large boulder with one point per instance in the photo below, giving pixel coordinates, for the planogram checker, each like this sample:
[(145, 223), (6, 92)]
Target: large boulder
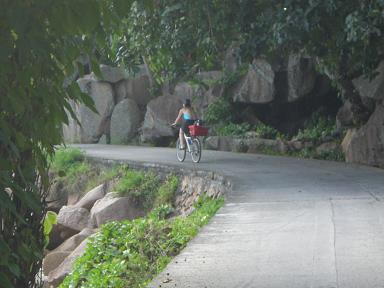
[(73, 242), (113, 74), (53, 260), (137, 89), (125, 121), (161, 112), (301, 76), (231, 58), (94, 125), (201, 95), (257, 86), (57, 196), (366, 145), (56, 276), (59, 234), (72, 132), (91, 197), (327, 147), (73, 217), (371, 88), (345, 116), (114, 208)]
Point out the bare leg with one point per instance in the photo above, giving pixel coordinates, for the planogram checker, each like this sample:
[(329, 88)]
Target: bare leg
[(181, 137)]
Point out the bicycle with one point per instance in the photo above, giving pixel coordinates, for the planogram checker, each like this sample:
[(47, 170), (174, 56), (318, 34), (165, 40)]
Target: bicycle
[(193, 145)]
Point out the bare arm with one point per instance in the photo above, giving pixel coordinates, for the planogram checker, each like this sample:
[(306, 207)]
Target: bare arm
[(178, 117)]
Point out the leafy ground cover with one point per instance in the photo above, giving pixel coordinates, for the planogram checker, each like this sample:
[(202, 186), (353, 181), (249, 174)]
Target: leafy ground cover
[(132, 253)]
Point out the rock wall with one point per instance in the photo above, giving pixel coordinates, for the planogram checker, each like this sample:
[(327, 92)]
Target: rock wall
[(282, 94), (120, 101), (365, 144)]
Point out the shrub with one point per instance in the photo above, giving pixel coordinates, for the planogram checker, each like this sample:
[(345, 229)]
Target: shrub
[(218, 112), (267, 132), (317, 127), (141, 187), (167, 191), (65, 159), (233, 129), (68, 164)]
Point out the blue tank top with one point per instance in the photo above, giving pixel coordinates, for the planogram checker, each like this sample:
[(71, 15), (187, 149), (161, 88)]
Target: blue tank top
[(187, 116)]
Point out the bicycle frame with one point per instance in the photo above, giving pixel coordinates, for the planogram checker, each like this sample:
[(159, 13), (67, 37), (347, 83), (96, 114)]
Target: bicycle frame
[(186, 138)]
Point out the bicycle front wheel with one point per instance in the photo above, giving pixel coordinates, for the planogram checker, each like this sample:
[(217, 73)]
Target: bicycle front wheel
[(180, 153), (196, 150)]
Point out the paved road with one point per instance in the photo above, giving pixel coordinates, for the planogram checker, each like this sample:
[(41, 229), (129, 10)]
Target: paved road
[(287, 223)]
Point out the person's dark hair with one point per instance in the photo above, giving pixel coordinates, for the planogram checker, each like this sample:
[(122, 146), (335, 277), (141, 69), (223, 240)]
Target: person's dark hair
[(187, 103)]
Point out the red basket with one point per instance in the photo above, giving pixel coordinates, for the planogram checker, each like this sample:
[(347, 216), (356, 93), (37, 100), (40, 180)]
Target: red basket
[(196, 130)]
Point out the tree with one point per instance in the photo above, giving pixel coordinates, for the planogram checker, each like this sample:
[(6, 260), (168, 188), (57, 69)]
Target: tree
[(345, 39), (40, 41)]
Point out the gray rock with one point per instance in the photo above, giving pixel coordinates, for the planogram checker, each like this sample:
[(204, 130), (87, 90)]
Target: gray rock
[(59, 234), (72, 131), (113, 74), (111, 208), (161, 112), (73, 217), (91, 197), (259, 145), (327, 147), (231, 59), (211, 143), (125, 121), (249, 145), (301, 77), (208, 76), (371, 88), (73, 242), (344, 117), (347, 140), (366, 145), (258, 85), (57, 196), (201, 95), (94, 125), (137, 89), (191, 187), (56, 276), (295, 145), (53, 260)]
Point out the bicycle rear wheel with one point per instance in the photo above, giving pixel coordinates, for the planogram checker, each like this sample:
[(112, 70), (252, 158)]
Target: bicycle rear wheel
[(196, 150), (180, 153)]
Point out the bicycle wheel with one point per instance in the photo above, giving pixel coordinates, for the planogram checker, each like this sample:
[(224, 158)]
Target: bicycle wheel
[(196, 150), (180, 153)]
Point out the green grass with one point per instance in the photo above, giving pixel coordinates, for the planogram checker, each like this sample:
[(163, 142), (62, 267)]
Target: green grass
[(69, 163), (167, 191), (77, 175), (132, 253), (140, 187)]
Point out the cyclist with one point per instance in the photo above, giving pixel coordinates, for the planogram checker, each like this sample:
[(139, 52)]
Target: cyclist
[(188, 115)]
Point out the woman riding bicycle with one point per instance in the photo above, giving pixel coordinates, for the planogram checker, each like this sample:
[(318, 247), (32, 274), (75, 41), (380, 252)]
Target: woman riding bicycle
[(188, 115)]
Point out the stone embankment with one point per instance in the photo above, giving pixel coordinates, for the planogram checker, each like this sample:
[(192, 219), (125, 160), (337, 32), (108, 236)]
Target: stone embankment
[(76, 222), (282, 94)]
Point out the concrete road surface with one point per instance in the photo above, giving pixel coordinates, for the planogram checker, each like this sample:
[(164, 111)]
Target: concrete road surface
[(287, 223)]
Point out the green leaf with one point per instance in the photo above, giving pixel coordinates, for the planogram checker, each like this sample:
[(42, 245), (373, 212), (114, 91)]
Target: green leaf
[(14, 269)]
